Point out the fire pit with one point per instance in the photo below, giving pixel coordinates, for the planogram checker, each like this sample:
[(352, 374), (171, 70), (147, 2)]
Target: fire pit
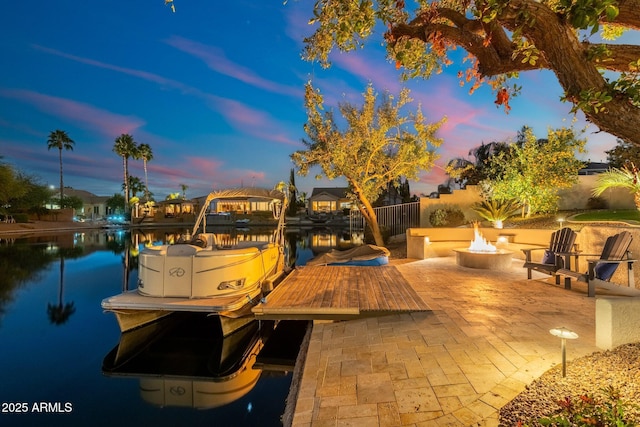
[(482, 254)]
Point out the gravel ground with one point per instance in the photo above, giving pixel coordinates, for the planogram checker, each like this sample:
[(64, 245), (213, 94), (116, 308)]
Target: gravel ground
[(589, 375)]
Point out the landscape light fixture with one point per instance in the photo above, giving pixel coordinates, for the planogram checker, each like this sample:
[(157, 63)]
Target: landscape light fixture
[(565, 334), (561, 221)]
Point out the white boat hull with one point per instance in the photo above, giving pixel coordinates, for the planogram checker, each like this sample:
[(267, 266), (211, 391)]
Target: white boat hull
[(193, 272)]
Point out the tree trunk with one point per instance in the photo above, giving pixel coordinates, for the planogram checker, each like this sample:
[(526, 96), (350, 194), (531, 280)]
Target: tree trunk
[(126, 184), (61, 183), (369, 215)]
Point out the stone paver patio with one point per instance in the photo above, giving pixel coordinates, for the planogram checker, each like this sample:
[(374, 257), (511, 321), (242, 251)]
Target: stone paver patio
[(485, 340)]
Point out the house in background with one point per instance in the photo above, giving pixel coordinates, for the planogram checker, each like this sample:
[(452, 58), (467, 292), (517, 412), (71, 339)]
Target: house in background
[(331, 200), (93, 207)]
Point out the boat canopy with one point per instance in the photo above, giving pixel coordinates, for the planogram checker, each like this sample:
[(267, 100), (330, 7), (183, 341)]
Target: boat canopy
[(249, 192), (238, 193)]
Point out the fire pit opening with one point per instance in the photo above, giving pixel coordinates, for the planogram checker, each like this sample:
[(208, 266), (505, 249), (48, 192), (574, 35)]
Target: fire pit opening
[(482, 254)]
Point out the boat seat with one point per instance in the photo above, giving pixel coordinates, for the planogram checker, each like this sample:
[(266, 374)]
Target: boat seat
[(182, 250)]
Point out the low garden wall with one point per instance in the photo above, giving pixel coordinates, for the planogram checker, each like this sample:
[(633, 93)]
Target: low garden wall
[(433, 242)]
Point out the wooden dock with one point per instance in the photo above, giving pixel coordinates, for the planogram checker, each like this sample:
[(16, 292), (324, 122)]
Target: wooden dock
[(340, 293)]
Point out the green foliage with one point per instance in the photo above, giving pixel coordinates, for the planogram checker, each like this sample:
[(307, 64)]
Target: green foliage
[(585, 14), (597, 203), (623, 153), (38, 211), (606, 409), (115, 203), (10, 185), (534, 170), (465, 172), (625, 177), (73, 202), (378, 145), (496, 210), (592, 100), (447, 217), (20, 192), (345, 24), (369, 238), (21, 218)]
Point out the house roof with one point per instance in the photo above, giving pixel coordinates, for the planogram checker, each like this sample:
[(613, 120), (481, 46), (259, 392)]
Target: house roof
[(338, 192), (85, 196), (593, 167)]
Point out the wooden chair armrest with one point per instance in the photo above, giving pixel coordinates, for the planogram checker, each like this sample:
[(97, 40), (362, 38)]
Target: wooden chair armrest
[(574, 253), (529, 250), (609, 261)]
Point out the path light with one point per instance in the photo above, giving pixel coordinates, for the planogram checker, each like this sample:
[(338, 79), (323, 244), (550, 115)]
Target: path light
[(565, 334), (561, 220)]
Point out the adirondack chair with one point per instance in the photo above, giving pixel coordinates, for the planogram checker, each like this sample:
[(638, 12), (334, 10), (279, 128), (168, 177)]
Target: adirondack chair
[(600, 271), (562, 242)]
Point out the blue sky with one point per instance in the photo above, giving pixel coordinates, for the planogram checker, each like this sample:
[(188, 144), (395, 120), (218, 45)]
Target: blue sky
[(216, 89)]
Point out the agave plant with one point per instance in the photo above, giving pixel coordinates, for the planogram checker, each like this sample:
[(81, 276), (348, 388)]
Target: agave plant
[(496, 211), (626, 177)]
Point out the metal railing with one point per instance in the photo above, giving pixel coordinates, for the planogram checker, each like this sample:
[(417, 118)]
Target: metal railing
[(395, 218)]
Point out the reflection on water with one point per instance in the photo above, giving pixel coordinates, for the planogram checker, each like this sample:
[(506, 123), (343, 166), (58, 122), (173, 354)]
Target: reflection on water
[(183, 360), (55, 337)]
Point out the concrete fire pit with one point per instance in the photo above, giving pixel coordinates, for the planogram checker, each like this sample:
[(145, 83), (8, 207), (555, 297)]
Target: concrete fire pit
[(498, 260)]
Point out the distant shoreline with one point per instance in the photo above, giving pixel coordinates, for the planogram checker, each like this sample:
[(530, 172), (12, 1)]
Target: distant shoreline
[(28, 228)]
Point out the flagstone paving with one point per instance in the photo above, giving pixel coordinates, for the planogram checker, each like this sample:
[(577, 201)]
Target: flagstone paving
[(485, 339)]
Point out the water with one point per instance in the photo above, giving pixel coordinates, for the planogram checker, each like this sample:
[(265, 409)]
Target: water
[(54, 337)]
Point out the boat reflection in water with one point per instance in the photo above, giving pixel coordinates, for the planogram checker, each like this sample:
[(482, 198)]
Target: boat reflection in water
[(183, 360)]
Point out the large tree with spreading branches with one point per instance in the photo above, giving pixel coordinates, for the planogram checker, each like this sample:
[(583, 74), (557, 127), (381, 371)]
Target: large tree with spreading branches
[(503, 38)]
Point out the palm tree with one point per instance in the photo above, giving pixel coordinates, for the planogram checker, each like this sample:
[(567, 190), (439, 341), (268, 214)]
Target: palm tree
[(145, 153), (184, 191), (59, 139), (625, 177), (135, 186), (125, 147)]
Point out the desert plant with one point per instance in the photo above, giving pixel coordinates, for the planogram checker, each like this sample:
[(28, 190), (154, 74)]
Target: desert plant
[(626, 177), (597, 203), (496, 211), (447, 217), (605, 410)]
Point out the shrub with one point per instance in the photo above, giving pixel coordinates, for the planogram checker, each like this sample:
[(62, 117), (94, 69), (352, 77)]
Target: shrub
[(21, 218), (589, 410), (496, 211), (447, 217), (597, 203), (368, 235)]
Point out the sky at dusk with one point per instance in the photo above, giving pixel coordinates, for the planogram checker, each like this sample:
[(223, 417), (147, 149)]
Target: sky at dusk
[(216, 89)]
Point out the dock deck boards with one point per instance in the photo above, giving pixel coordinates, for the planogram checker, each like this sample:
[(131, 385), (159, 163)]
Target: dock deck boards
[(340, 292)]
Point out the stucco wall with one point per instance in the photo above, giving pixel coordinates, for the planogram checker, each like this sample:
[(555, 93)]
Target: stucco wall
[(577, 196), (574, 198)]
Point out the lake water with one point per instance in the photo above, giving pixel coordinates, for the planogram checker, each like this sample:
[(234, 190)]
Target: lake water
[(55, 340)]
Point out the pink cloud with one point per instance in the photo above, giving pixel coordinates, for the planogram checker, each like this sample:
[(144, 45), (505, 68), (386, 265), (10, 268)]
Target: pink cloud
[(297, 18), (75, 112), (251, 121), (155, 78), (254, 122), (217, 61)]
